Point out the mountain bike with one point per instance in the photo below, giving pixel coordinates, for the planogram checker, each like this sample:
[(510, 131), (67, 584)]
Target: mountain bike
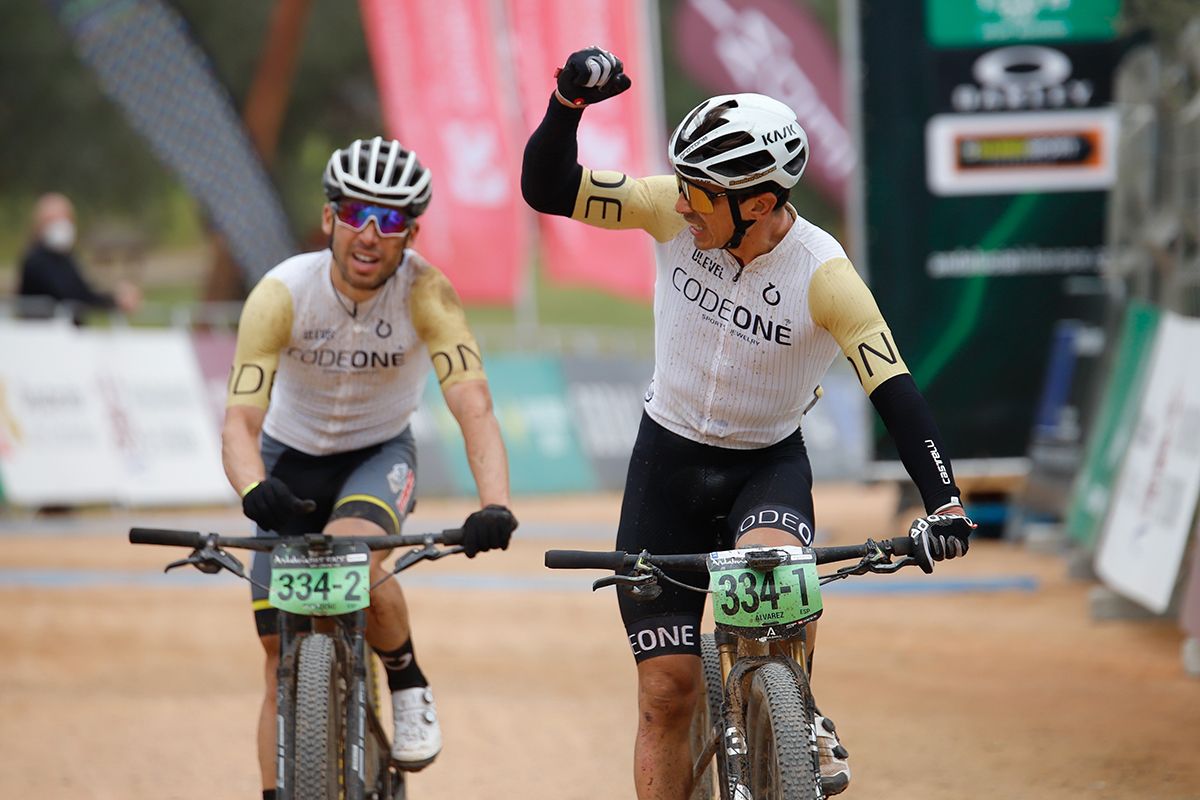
[(331, 744), (757, 723)]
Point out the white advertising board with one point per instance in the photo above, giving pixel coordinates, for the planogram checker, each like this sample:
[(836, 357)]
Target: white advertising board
[(1154, 496), (159, 407), (56, 444)]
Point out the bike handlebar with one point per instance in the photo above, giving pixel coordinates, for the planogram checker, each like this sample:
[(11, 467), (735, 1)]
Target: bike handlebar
[(698, 562), (264, 544)]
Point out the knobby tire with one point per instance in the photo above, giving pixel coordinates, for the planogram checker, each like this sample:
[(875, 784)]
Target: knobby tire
[(708, 715), (779, 721), (320, 737)]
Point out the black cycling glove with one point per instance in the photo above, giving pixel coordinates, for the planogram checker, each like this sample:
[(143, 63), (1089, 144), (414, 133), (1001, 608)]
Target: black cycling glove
[(590, 76), (488, 528), (271, 504), (942, 536)]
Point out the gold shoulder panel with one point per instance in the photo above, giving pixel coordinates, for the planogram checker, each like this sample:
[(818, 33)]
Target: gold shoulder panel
[(609, 199), (842, 304), (264, 330), (439, 319)]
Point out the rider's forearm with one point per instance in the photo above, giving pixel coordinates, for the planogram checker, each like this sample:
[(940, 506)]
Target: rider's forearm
[(240, 451), (550, 171), (909, 420), (471, 405)]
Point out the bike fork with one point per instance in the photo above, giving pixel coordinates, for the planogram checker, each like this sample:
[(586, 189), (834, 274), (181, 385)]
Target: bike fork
[(285, 699), (356, 707)]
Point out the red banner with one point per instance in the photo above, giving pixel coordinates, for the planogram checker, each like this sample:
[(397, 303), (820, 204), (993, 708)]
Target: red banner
[(776, 48), (443, 82), (622, 134)]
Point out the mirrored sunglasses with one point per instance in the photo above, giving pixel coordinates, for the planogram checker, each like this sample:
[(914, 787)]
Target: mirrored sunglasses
[(355, 214), (700, 199)]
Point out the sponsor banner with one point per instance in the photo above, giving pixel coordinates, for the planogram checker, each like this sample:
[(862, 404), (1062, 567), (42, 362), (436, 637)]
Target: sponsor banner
[(777, 48), (530, 400), (1113, 426), (1154, 496), (214, 355), (146, 61), (446, 93), (622, 134), (999, 142), (57, 446), (158, 407), (962, 23), (1043, 151)]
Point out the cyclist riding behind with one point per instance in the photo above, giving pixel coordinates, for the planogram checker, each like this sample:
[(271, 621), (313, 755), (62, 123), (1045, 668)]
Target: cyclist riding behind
[(333, 352), (752, 304)]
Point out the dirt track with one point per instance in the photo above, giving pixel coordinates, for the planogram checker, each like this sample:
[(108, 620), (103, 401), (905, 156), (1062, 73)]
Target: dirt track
[(117, 685)]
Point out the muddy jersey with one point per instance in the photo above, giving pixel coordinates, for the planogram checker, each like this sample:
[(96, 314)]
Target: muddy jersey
[(334, 376), (737, 357)]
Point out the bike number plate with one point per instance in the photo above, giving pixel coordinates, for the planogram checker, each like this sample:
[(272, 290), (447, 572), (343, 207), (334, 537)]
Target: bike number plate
[(765, 604), (320, 585)]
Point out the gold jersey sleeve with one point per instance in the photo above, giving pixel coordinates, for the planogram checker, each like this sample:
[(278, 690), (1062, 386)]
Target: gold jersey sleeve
[(439, 319), (840, 302), (263, 331), (609, 199)]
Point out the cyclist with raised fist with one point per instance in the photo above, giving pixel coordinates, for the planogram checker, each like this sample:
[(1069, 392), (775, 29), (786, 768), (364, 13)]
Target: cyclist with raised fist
[(752, 304), (333, 352)]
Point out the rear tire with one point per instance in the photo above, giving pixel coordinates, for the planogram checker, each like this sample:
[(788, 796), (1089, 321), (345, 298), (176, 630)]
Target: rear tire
[(783, 748), (320, 732)]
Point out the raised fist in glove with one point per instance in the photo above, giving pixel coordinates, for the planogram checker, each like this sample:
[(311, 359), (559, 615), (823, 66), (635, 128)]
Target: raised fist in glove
[(590, 76), (488, 528), (942, 536), (271, 504)]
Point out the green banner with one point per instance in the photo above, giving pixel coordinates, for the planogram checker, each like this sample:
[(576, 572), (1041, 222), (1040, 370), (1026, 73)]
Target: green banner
[(986, 171), (530, 398), (970, 23), (1113, 425)]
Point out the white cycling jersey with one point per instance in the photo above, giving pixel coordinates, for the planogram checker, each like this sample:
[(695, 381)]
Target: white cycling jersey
[(334, 376), (737, 360)]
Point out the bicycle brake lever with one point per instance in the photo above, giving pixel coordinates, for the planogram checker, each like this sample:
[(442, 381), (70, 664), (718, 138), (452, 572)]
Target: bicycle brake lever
[(209, 560), (622, 580)]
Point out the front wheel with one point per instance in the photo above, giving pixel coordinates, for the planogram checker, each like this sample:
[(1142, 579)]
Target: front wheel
[(320, 734), (783, 747)]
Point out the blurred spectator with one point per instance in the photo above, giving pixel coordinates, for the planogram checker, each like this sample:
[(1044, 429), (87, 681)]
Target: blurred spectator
[(50, 271)]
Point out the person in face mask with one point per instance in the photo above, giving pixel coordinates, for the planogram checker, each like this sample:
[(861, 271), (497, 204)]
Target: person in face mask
[(49, 270)]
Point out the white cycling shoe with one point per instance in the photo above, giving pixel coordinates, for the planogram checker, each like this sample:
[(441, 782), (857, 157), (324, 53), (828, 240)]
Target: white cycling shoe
[(418, 736)]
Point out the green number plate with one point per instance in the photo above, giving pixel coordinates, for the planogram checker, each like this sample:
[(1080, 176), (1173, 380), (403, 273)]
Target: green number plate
[(769, 604), (320, 585)]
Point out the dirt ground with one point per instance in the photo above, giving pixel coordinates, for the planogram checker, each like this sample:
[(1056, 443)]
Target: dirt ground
[(117, 684)]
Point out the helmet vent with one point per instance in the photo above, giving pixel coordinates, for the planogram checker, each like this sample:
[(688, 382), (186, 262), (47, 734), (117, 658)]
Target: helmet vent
[(796, 165), (746, 165)]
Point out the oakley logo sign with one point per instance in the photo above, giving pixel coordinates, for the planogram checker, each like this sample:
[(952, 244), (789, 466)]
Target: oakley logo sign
[(1020, 77)]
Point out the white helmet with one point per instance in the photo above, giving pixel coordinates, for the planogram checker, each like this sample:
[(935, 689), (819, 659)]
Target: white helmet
[(740, 140), (379, 171)]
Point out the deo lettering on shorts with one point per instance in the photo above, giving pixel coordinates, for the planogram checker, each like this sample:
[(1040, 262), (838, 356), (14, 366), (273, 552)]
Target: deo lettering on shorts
[(780, 518), (665, 635)]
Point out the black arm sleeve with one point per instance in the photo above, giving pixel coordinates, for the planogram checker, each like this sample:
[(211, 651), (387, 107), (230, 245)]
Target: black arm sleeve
[(906, 414), (550, 171)]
